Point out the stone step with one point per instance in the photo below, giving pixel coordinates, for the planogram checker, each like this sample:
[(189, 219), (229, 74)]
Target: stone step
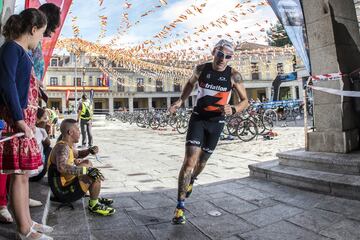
[(69, 223), (38, 191), (330, 162), (341, 185)]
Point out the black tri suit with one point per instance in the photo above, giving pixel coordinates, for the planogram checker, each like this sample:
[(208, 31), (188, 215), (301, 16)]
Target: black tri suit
[(207, 120)]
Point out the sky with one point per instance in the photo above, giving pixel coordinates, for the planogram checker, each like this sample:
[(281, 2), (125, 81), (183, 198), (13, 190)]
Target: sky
[(88, 12)]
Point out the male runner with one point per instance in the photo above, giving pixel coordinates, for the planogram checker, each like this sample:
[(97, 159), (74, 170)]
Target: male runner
[(70, 177), (215, 80)]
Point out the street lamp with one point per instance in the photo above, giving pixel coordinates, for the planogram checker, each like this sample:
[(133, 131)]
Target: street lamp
[(83, 79)]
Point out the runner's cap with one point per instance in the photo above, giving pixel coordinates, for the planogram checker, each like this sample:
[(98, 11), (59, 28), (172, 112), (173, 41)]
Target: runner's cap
[(226, 44)]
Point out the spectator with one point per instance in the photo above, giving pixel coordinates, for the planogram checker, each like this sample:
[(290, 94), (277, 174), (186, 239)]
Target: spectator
[(70, 177), (18, 105), (85, 115), (43, 141)]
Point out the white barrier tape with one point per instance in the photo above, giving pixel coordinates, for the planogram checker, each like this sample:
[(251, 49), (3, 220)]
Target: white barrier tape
[(12, 137), (337, 91), (327, 77)]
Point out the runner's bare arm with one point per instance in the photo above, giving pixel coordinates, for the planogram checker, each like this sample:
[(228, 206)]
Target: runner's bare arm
[(62, 152), (238, 85), (190, 84)]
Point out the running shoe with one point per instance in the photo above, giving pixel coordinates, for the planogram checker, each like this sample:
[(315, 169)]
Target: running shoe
[(102, 209), (179, 216), (106, 201)]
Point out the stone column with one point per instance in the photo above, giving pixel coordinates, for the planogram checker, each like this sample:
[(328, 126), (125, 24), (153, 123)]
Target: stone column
[(334, 42), (63, 103), (131, 104), (293, 92), (149, 103), (111, 104), (194, 100), (268, 93), (168, 102), (187, 103)]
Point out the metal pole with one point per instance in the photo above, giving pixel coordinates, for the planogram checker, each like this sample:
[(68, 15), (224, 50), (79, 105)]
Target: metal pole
[(76, 106)]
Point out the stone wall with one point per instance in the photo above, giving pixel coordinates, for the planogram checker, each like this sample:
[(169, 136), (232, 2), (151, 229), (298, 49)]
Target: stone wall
[(6, 9), (334, 42)]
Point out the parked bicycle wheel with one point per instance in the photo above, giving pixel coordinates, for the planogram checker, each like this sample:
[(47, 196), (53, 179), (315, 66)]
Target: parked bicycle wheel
[(247, 130), (182, 125), (154, 123), (232, 125), (268, 122)]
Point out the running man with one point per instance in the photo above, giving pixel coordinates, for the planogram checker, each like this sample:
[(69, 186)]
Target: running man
[(70, 177), (216, 80)]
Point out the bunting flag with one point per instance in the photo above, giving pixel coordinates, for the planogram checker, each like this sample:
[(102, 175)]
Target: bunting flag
[(48, 44)]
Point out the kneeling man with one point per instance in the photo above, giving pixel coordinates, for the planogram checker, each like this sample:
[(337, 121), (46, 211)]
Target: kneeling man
[(70, 177)]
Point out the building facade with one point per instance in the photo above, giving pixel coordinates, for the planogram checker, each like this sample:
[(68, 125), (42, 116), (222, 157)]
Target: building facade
[(67, 79)]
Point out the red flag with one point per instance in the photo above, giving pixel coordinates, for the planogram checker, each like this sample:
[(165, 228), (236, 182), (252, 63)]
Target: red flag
[(48, 44), (67, 95)]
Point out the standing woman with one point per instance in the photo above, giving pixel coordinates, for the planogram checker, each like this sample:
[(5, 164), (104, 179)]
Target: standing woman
[(18, 106)]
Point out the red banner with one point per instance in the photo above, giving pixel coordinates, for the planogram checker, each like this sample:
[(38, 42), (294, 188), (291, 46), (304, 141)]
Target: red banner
[(48, 44), (67, 95)]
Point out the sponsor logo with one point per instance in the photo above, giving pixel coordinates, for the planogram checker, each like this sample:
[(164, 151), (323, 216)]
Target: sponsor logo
[(208, 76), (213, 87), (193, 142), (222, 79)]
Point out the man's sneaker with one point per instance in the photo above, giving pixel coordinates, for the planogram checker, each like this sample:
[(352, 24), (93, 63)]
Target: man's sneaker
[(179, 216), (102, 209), (106, 201)]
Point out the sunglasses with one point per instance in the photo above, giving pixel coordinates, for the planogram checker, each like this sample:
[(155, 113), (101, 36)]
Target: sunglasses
[(220, 54)]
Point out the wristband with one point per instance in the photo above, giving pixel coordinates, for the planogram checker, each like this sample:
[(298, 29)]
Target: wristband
[(84, 170), (233, 109), (91, 151)]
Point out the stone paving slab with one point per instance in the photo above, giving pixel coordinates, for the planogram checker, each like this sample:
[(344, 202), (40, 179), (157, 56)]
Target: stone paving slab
[(222, 226), (266, 216), (128, 233), (315, 220), (167, 231), (234, 205), (202, 208), (119, 220), (350, 208), (346, 229), (281, 231)]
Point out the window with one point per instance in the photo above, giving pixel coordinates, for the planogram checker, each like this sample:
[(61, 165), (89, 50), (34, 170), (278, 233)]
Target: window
[(159, 85), (91, 81), (54, 62), (78, 81), (280, 68), (120, 85), (63, 80), (177, 87), (255, 71), (99, 82), (54, 81), (140, 84)]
